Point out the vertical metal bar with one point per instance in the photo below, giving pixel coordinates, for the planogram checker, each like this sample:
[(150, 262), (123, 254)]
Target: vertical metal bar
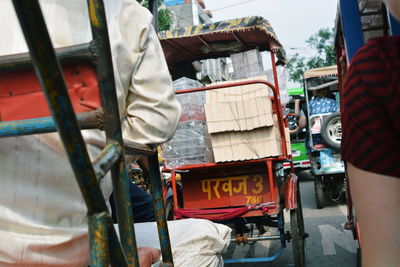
[(271, 180), (174, 191), (105, 74), (156, 191), (98, 240), (281, 228), (50, 77), (351, 24), (278, 104), (153, 6), (338, 53)]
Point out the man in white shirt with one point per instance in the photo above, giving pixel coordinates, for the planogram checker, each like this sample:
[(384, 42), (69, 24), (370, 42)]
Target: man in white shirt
[(42, 213)]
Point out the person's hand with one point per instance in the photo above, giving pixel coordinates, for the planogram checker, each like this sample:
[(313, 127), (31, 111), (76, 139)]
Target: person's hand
[(294, 130), (148, 256)]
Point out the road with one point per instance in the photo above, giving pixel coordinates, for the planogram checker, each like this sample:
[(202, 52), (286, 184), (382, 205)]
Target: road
[(328, 245)]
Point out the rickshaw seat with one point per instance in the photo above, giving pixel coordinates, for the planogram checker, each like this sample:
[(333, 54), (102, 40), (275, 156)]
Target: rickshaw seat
[(21, 96)]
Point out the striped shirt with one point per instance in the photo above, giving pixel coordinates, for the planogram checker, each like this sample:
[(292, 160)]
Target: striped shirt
[(371, 108)]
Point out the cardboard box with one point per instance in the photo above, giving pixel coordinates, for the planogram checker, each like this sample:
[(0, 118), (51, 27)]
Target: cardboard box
[(245, 145), (238, 93), (241, 115), (242, 125)]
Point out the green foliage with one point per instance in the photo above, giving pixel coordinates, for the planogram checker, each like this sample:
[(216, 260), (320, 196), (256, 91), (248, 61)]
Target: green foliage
[(164, 15), (322, 43)]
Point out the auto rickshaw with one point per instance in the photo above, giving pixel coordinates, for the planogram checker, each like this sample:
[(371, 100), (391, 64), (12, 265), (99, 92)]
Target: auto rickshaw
[(301, 161), (324, 134)]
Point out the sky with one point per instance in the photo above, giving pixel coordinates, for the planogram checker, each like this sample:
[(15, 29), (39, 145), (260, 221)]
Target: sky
[(294, 21)]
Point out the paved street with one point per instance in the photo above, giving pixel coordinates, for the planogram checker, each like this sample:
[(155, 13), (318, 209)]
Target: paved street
[(328, 245)]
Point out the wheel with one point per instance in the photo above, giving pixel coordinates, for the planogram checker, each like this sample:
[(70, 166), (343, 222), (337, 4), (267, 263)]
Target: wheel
[(169, 209), (298, 234), (331, 130), (319, 192), (359, 257)]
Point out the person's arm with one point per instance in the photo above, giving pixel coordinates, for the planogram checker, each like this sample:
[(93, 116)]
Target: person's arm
[(301, 124), (148, 256), (297, 107), (152, 111)]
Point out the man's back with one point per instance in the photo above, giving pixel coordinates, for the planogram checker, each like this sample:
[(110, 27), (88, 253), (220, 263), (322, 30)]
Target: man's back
[(42, 213)]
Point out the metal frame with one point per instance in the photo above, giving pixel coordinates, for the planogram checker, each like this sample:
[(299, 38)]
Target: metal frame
[(104, 244), (268, 162), (348, 39), (350, 26)]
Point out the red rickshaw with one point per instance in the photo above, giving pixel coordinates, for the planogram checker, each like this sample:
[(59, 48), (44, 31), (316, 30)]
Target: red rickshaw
[(243, 191)]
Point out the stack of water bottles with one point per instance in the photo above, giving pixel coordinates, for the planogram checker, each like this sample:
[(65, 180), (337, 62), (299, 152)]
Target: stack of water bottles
[(191, 143)]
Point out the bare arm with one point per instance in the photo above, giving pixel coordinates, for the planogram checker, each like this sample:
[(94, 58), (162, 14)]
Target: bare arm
[(376, 198), (300, 126)]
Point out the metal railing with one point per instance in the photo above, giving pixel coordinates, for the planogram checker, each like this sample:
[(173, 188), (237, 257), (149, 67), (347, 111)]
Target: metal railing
[(105, 247)]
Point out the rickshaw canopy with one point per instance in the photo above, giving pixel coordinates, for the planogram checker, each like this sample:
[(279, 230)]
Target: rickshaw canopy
[(321, 72), (219, 39)]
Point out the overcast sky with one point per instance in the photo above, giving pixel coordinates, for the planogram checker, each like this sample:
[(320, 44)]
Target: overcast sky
[(293, 20)]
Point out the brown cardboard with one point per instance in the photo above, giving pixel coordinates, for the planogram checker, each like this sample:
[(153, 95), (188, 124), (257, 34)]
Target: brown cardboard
[(258, 143), (237, 93), (239, 115), (241, 123)]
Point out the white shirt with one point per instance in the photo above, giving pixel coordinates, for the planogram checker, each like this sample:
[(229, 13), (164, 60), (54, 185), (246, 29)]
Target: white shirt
[(42, 214)]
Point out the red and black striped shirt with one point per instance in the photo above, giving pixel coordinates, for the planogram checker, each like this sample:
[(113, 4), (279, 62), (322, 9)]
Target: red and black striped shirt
[(371, 108)]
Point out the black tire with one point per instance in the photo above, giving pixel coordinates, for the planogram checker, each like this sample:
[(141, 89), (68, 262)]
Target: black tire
[(331, 130), (319, 192), (298, 234), (169, 209), (359, 257)]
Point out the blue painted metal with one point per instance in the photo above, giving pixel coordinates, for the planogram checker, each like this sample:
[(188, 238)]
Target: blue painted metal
[(161, 218), (39, 126), (394, 25), (281, 228), (108, 96), (25, 127), (106, 159), (51, 79), (265, 259), (351, 25), (98, 239)]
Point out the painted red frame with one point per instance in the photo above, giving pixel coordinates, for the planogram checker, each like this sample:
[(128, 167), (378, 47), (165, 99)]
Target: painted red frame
[(274, 194)]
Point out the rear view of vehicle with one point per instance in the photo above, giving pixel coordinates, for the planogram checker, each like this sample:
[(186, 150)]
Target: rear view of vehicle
[(232, 141), (324, 134), (301, 161)]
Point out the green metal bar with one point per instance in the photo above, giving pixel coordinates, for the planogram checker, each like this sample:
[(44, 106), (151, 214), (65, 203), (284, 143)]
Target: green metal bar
[(105, 75), (66, 55), (50, 77), (153, 173), (102, 239), (98, 240), (86, 120), (106, 159)]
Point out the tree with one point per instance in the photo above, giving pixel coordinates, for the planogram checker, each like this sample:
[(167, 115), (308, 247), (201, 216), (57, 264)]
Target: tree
[(322, 43), (164, 15)]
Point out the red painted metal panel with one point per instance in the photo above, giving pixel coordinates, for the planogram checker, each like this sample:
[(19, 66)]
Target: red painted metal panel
[(227, 191), (21, 96)]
